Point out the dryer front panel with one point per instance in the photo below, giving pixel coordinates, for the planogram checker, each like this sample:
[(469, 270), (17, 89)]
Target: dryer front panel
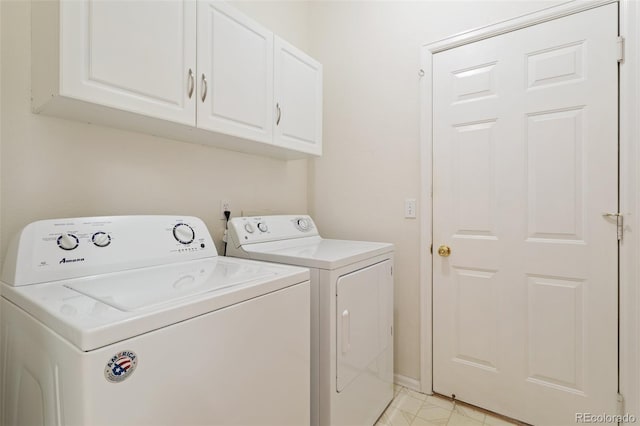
[(364, 301)]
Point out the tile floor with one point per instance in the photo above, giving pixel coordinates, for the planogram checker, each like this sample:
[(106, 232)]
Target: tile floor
[(410, 408)]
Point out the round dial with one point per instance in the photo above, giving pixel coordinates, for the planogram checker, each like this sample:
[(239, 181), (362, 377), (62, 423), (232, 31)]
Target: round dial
[(263, 227), (101, 239), (249, 228), (68, 241), (184, 233), (303, 224)]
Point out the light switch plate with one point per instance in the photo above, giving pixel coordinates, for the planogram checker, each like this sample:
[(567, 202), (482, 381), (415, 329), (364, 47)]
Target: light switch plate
[(410, 208)]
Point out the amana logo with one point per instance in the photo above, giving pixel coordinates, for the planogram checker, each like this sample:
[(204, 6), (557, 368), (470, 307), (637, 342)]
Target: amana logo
[(78, 259)]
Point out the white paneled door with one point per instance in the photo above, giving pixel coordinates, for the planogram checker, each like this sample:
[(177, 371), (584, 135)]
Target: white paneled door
[(525, 152)]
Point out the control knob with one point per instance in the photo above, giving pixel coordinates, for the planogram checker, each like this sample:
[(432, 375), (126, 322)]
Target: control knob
[(249, 228), (183, 233), (303, 224), (263, 227), (101, 239), (68, 241)]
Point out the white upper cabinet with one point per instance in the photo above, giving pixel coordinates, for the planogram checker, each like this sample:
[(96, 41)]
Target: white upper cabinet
[(136, 56), (298, 97), (193, 70), (235, 72)]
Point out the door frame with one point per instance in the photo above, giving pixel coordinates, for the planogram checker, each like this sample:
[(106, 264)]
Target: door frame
[(629, 185)]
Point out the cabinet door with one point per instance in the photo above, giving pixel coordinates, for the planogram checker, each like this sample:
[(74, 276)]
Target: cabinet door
[(235, 73), (298, 99), (130, 55)]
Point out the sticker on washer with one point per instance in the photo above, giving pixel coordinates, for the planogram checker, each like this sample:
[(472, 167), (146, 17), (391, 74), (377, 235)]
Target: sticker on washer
[(121, 366)]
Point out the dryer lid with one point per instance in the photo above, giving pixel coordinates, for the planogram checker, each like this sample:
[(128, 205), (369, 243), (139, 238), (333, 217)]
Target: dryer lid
[(317, 252)]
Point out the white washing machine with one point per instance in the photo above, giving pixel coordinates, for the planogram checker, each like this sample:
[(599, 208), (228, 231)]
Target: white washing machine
[(135, 320), (351, 312)]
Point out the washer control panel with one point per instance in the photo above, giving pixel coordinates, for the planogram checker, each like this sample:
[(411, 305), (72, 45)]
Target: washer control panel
[(259, 229), (57, 249)]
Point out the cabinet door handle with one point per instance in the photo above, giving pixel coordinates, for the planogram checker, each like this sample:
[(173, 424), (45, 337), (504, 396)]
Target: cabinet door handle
[(204, 87), (192, 83), (279, 114)]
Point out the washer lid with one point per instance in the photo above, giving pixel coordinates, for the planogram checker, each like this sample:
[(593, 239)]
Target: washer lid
[(139, 290), (96, 311), (316, 252)]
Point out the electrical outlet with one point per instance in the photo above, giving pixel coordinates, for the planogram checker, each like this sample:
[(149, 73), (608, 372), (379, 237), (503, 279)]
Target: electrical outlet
[(410, 208), (225, 205)]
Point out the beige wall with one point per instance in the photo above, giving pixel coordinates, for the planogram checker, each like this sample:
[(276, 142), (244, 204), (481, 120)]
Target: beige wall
[(57, 168), (289, 19), (370, 53)]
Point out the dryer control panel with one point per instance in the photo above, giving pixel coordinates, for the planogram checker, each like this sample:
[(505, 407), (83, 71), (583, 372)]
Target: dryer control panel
[(260, 229), (58, 249)]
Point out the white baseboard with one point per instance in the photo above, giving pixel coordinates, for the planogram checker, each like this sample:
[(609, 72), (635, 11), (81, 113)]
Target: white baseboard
[(407, 382)]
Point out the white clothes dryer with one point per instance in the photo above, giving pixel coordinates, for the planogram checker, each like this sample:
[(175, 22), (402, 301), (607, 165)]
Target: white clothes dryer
[(351, 312), (135, 320)]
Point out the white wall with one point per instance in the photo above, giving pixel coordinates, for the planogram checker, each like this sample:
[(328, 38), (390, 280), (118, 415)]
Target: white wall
[(57, 168), (370, 53)]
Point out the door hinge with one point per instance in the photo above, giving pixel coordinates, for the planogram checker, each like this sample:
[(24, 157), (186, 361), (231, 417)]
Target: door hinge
[(620, 404), (431, 248), (392, 271), (619, 223), (620, 226), (620, 44)]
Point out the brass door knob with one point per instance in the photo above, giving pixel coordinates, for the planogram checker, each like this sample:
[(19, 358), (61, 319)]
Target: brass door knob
[(444, 251)]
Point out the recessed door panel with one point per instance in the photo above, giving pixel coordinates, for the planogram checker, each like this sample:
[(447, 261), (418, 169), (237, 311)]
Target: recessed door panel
[(555, 174), (474, 83), (476, 318), (555, 315), (473, 178), (556, 65)]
